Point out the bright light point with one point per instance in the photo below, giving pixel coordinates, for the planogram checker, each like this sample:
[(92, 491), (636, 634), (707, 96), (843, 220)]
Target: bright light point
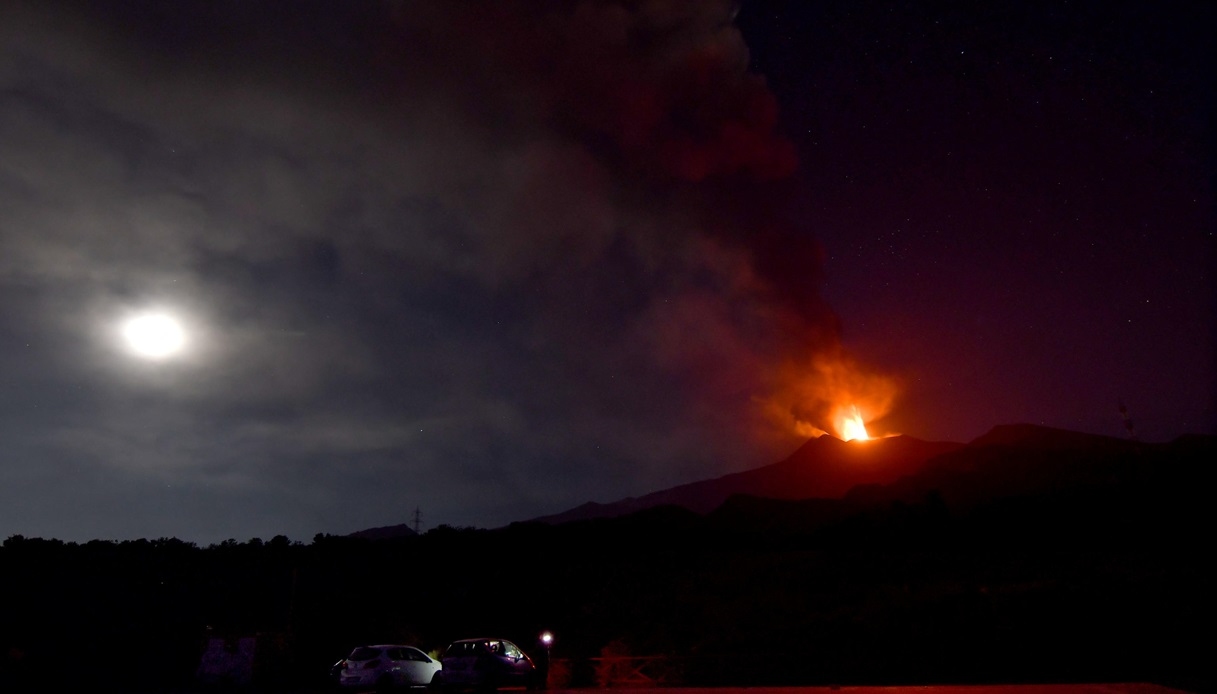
[(154, 335), (853, 428), (547, 638)]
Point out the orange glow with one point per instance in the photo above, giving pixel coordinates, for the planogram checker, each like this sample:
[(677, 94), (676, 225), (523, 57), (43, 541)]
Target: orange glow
[(851, 427), (832, 393)]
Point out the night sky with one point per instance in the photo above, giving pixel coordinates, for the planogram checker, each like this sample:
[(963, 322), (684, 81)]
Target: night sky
[(494, 260)]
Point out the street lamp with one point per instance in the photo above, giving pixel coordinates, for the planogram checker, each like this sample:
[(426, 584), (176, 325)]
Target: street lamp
[(547, 640)]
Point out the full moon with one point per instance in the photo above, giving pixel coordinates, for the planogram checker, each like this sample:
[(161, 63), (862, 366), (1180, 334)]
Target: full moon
[(154, 335)]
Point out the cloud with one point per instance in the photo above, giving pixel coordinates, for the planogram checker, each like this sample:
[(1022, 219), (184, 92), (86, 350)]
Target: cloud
[(550, 235)]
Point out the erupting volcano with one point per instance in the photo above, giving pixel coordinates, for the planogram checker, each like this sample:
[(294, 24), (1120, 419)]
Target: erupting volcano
[(822, 468), (851, 427), (834, 394)]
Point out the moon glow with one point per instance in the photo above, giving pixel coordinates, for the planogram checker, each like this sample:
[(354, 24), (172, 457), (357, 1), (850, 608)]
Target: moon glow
[(154, 335)]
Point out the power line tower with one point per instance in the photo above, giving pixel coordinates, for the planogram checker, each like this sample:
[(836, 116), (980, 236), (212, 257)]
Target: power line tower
[(1128, 426), (418, 520)]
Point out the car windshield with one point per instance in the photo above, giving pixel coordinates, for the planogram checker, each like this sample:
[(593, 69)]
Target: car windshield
[(364, 653), (465, 648)]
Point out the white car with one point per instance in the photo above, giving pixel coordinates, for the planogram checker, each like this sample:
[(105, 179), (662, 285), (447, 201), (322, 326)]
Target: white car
[(386, 667)]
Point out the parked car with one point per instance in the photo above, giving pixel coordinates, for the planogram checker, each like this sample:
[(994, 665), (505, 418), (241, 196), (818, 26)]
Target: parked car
[(336, 670), (386, 667), (485, 664)]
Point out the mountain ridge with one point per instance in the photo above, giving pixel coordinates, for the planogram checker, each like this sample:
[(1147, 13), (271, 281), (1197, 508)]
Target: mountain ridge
[(823, 467), (1019, 456)]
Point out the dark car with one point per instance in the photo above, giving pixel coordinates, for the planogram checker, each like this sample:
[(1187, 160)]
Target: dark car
[(486, 664)]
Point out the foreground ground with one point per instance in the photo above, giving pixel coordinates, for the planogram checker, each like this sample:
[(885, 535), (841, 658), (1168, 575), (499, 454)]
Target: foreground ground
[(1093, 688)]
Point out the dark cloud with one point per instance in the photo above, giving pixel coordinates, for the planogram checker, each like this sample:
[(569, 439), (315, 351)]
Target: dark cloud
[(478, 258)]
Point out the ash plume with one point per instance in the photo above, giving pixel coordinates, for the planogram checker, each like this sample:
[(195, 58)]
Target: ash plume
[(451, 227)]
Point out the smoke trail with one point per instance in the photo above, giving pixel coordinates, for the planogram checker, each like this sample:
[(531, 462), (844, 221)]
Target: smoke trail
[(586, 198)]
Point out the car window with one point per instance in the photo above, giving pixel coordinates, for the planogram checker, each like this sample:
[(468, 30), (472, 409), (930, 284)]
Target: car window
[(462, 648), (364, 653), (511, 650), (396, 654), (415, 654), (495, 647)]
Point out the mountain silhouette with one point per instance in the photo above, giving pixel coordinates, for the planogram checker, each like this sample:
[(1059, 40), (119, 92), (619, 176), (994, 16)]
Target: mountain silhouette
[(1025, 459), (1049, 438), (386, 532), (827, 478), (823, 468)]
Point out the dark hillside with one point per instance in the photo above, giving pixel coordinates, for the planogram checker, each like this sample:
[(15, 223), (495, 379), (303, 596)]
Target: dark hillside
[(1004, 563), (824, 468)]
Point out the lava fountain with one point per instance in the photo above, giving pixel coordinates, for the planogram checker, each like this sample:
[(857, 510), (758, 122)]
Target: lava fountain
[(850, 426)]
